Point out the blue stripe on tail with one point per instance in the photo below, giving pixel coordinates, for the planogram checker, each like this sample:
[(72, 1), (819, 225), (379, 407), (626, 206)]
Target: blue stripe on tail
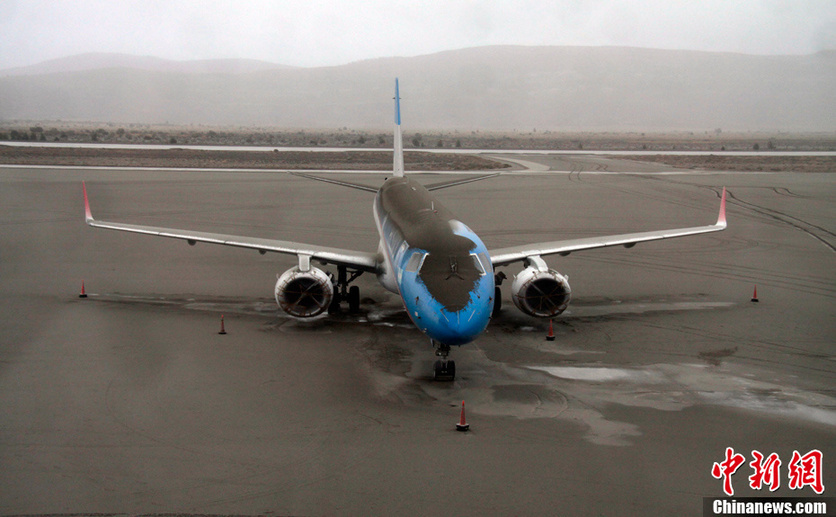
[(397, 168), (397, 104)]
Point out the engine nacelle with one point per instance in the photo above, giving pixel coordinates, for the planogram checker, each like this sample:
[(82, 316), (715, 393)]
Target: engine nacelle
[(540, 291), (304, 294)]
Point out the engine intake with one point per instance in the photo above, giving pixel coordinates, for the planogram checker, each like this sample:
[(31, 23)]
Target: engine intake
[(304, 294), (541, 292)]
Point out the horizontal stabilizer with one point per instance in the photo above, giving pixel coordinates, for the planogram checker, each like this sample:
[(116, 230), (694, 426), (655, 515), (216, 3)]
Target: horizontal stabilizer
[(358, 186), (454, 183)]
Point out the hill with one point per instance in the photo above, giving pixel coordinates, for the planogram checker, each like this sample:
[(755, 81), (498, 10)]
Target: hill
[(486, 88), (99, 60)]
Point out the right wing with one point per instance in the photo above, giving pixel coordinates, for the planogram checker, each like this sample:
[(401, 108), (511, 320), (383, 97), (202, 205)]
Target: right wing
[(356, 259), (505, 256)]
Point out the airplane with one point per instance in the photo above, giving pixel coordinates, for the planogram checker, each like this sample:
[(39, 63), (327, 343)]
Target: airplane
[(443, 272)]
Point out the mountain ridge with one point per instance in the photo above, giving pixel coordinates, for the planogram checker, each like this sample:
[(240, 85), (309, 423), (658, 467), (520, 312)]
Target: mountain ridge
[(98, 60), (491, 88)]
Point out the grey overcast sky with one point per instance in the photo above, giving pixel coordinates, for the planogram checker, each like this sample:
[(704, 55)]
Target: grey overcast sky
[(332, 32)]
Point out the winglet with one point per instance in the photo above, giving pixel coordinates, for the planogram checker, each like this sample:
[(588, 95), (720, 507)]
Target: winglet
[(398, 168), (88, 216), (721, 219)]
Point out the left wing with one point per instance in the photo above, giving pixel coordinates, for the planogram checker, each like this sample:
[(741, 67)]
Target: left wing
[(356, 259), (504, 256)]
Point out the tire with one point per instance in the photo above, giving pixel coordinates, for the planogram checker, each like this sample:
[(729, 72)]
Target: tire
[(497, 301), (445, 374), (353, 298), (334, 308)]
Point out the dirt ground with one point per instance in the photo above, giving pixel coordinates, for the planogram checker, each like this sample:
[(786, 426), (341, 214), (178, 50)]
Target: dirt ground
[(715, 140), (765, 162), (194, 158), (367, 160)]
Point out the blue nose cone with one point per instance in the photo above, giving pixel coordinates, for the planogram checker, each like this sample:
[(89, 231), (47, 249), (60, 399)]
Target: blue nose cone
[(454, 327), (460, 327)]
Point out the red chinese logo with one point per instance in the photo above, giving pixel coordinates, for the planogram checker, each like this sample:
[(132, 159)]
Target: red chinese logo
[(727, 468), (806, 471), (766, 471), (803, 471)]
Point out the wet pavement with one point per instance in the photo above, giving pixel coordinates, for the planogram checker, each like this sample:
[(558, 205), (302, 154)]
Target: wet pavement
[(130, 401)]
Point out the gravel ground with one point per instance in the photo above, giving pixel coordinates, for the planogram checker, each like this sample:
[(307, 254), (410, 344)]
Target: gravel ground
[(193, 158), (744, 163)]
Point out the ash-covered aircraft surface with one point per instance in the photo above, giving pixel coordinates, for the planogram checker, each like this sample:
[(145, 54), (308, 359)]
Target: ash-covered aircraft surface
[(441, 269)]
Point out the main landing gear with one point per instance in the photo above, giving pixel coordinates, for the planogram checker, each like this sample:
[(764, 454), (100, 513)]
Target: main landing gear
[(497, 293), (342, 291), (445, 369)]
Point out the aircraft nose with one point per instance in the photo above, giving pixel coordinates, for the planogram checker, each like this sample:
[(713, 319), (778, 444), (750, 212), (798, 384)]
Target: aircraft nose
[(460, 327)]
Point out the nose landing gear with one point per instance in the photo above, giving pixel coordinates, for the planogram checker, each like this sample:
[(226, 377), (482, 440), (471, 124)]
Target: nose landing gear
[(444, 369)]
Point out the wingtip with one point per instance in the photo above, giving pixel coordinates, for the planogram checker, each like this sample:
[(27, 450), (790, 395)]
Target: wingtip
[(721, 219), (88, 216)]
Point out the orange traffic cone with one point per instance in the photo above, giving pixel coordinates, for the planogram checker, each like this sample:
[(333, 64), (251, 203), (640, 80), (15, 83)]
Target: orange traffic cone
[(550, 335), (462, 425), (83, 294), (755, 296), (222, 325)]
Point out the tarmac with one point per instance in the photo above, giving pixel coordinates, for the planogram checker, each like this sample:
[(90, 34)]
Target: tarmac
[(130, 402)]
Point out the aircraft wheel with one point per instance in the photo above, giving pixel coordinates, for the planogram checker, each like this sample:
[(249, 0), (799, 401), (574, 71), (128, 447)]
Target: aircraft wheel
[(353, 298), (497, 301), (334, 308), (445, 370)]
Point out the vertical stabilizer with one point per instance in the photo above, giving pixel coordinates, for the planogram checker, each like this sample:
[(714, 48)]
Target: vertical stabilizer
[(398, 161)]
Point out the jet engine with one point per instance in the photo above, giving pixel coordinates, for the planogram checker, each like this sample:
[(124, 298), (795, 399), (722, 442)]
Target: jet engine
[(540, 291), (304, 294)]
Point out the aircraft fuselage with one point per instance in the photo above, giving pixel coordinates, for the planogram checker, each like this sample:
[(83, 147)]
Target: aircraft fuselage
[(438, 265)]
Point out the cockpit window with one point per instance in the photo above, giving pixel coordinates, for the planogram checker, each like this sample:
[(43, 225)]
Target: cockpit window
[(415, 261), (483, 265)]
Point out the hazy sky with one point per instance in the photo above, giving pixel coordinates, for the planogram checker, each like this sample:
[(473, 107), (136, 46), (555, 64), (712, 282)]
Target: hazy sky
[(332, 32)]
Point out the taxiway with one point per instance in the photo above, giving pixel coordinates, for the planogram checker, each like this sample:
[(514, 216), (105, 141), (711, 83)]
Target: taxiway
[(129, 401)]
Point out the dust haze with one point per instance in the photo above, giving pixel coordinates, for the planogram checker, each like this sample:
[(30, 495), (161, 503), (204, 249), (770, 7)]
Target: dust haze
[(498, 88)]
